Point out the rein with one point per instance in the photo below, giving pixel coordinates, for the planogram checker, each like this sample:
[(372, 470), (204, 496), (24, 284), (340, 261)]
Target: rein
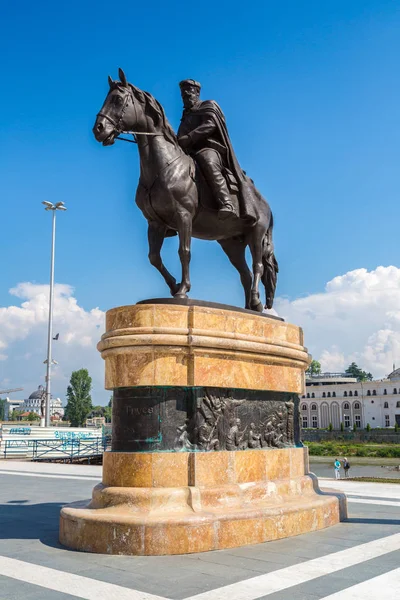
[(116, 125)]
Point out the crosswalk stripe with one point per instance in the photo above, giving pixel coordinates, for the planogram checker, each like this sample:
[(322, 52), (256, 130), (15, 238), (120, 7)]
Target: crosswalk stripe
[(384, 586), (282, 579), (48, 475), (376, 502), (69, 583)]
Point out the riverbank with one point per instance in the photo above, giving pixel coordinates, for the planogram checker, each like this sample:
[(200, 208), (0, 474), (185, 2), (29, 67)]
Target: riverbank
[(354, 450)]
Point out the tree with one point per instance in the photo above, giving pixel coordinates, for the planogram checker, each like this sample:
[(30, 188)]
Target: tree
[(2, 409), (314, 368), (368, 427), (330, 427), (79, 402), (355, 427), (355, 371), (341, 427), (31, 417)]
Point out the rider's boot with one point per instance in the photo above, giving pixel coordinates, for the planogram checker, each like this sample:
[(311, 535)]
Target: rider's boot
[(217, 182)]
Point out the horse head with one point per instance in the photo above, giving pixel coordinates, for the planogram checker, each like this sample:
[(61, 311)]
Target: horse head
[(128, 108)]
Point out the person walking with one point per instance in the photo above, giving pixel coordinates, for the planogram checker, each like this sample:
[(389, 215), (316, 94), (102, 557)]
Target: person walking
[(346, 467), (337, 466)]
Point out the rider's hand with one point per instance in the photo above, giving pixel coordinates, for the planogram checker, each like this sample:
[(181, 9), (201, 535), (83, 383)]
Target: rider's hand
[(184, 141)]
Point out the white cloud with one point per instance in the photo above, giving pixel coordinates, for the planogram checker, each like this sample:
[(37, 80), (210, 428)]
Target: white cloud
[(23, 340), (357, 318)]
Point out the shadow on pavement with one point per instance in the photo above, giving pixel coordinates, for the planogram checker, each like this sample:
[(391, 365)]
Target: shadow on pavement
[(31, 522), (373, 521)]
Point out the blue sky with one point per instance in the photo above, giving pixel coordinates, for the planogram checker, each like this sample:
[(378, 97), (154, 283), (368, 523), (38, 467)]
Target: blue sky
[(310, 91)]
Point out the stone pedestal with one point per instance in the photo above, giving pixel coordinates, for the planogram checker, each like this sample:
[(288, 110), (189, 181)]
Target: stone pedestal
[(205, 442)]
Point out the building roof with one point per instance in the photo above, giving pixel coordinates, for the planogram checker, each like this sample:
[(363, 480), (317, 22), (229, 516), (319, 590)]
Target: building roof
[(394, 374)]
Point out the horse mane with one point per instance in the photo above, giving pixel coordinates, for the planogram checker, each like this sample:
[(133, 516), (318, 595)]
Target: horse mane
[(154, 109)]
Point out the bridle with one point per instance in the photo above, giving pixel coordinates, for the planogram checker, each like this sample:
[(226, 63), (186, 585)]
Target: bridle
[(117, 124)]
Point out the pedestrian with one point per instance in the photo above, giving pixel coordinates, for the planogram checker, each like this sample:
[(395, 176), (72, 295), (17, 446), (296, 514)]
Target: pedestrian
[(337, 466), (346, 467)]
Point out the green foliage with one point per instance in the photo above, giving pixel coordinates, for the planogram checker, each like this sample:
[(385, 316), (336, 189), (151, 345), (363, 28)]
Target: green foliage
[(355, 427), (341, 427), (368, 427), (31, 417), (314, 368), (79, 402), (363, 450), (355, 371), (330, 427), (2, 409), (16, 415), (396, 427), (102, 411)]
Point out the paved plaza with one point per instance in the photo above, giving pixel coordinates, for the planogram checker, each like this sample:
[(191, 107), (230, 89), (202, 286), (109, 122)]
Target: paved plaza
[(358, 559)]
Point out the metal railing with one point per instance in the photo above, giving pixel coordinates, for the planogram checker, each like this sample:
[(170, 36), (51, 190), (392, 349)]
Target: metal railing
[(58, 449)]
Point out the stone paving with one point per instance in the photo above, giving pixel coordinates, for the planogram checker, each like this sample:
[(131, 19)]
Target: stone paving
[(356, 559)]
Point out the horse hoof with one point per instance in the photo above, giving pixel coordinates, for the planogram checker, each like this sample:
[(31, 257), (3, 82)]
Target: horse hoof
[(174, 289), (257, 307), (181, 295)]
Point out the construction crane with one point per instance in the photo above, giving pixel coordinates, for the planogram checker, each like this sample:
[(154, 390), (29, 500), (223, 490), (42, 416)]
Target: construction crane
[(10, 391)]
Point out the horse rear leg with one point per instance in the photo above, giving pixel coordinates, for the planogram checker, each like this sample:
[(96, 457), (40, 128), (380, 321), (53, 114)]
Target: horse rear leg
[(156, 236), (236, 252), (184, 226), (255, 241)]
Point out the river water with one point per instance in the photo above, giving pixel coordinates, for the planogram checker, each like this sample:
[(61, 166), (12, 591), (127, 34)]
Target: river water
[(373, 467)]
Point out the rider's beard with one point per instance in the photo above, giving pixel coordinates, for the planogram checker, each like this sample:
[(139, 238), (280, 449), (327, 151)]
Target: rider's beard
[(190, 101)]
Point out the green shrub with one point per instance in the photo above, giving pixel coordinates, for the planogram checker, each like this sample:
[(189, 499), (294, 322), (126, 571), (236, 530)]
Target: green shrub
[(396, 427), (341, 427), (368, 427), (330, 427)]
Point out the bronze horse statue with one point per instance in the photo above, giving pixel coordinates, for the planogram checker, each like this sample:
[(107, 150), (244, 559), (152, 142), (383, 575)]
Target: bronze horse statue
[(174, 198)]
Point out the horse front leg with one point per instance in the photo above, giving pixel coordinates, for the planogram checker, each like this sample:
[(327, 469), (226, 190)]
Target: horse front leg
[(184, 221), (156, 236)]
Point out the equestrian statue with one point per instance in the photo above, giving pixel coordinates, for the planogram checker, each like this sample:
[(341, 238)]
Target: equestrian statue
[(191, 185)]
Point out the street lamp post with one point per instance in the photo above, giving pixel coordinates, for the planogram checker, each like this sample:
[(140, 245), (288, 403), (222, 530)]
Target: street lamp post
[(53, 208)]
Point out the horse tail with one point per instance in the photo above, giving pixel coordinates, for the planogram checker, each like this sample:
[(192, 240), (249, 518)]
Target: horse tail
[(270, 263)]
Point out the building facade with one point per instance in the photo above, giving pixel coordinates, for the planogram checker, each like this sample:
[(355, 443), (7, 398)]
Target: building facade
[(32, 404), (335, 398)]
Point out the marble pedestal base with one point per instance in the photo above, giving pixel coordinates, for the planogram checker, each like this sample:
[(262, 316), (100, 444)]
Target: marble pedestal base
[(179, 503)]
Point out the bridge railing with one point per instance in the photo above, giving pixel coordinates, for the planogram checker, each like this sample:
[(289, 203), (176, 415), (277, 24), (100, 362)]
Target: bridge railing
[(59, 449)]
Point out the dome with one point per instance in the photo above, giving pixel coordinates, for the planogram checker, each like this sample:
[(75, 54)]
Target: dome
[(37, 394)]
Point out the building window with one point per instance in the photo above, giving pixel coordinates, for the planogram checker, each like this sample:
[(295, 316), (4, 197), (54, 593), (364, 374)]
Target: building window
[(350, 393), (374, 392), (313, 395), (387, 421), (329, 394), (303, 396), (314, 422), (313, 407), (345, 394), (397, 404), (357, 406), (368, 392), (346, 406), (305, 422), (323, 395), (356, 393), (346, 421), (384, 392), (333, 394), (386, 405), (308, 395), (357, 420), (394, 390), (304, 407)]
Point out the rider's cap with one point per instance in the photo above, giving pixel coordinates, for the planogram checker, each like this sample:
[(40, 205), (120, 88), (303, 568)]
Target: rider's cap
[(186, 82)]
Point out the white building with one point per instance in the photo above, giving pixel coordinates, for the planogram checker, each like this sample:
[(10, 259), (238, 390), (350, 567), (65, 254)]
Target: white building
[(335, 398), (32, 404)]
